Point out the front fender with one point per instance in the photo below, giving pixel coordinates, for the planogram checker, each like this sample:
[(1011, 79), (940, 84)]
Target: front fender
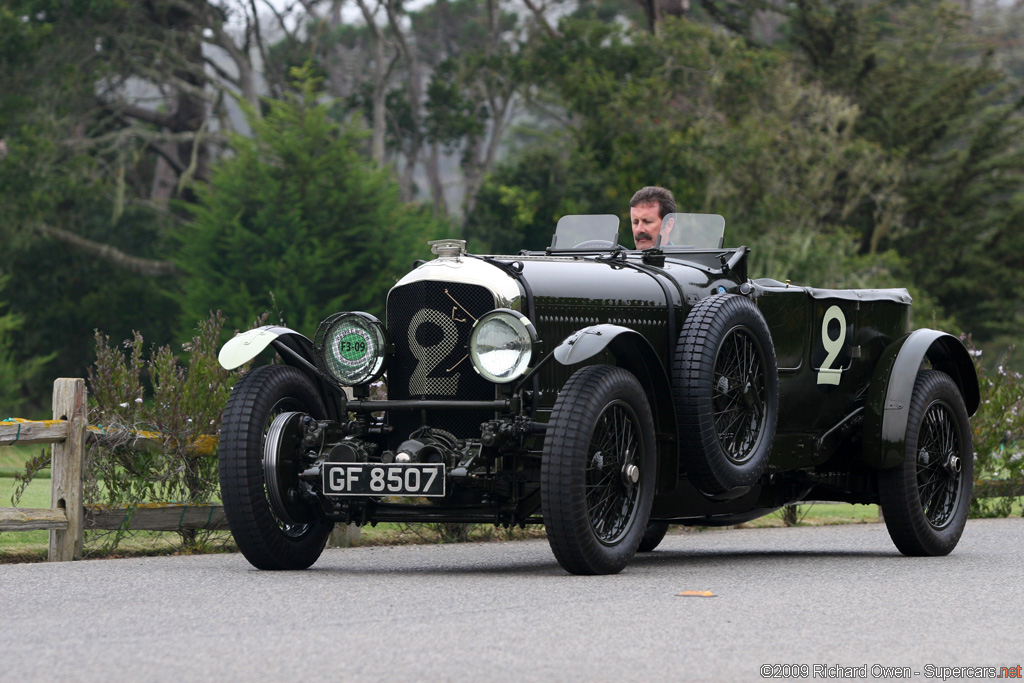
[(588, 342), (246, 346), (892, 384)]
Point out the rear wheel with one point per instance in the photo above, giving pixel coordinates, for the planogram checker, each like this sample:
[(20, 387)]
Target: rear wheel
[(654, 534), (598, 470), (274, 527), (925, 500)]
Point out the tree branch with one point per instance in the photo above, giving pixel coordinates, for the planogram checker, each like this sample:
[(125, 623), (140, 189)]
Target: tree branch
[(138, 113), (538, 13), (134, 264)]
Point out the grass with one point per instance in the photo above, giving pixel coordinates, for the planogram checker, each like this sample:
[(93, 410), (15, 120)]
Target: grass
[(32, 546), (820, 514), (24, 546), (13, 459)]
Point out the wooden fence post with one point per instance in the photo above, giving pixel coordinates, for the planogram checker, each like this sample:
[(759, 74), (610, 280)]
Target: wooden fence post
[(343, 536), (70, 404)]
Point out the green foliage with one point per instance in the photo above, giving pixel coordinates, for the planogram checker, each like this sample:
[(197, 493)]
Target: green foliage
[(64, 170), (998, 428), (728, 128), (520, 203), (296, 219), (184, 403), (932, 93), (15, 373), (451, 113), (61, 293)]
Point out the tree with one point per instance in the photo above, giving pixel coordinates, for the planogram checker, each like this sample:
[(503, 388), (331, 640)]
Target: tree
[(939, 100), (938, 89), (297, 222), (82, 178), (440, 80), (729, 128), (136, 91), (15, 372), (48, 185)]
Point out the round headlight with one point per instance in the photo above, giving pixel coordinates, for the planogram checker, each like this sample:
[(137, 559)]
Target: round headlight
[(501, 345), (350, 348)]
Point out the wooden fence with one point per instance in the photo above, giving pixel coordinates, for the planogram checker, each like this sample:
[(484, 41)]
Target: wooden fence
[(67, 517)]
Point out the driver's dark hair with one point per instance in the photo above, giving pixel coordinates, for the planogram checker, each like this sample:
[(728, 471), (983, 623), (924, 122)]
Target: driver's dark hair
[(655, 195)]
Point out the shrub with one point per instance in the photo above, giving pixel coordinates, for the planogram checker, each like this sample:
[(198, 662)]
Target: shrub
[(183, 405), (998, 429)]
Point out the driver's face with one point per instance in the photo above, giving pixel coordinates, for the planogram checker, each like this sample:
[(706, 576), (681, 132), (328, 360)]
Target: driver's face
[(646, 221)]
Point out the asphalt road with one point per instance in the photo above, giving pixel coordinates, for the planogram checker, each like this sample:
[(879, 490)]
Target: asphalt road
[(820, 597)]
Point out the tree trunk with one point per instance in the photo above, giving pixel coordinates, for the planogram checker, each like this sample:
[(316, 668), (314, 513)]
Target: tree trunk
[(379, 107), (165, 180), (434, 180)]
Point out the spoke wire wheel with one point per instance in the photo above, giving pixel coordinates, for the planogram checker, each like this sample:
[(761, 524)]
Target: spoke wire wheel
[(739, 396), (926, 499), (725, 386), (598, 469), (611, 493), (266, 540), (937, 484)]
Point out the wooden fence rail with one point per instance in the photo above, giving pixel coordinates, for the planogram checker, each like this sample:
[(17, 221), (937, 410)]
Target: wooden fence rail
[(67, 517)]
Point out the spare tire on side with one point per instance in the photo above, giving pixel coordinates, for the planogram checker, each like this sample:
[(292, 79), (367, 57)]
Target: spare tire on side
[(725, 386)]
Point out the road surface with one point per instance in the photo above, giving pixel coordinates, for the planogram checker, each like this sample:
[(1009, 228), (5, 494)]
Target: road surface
[(814, 597)]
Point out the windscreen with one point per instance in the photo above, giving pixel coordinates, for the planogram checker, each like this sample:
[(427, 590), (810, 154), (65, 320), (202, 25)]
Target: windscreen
[(586, 232), (692, 231)]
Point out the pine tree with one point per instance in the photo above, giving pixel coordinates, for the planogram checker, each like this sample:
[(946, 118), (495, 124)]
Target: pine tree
[(298, 222)]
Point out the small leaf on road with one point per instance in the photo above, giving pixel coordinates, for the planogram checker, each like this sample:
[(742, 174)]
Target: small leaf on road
[(697, 594)]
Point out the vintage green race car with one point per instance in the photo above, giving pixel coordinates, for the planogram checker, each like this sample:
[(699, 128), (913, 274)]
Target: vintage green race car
[(602, 392)]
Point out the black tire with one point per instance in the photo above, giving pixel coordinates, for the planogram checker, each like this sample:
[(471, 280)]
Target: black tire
[(654, 534), (926, 499), (725, 385), (265, 540), (595, 506)]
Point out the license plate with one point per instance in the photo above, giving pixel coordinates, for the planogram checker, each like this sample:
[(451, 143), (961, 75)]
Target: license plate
[(373, 479)]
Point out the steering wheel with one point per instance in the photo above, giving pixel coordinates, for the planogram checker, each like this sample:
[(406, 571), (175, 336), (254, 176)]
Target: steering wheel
[(594, 244)]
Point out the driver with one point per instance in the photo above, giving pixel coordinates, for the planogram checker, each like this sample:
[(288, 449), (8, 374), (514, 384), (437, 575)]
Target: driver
[(646, 209)]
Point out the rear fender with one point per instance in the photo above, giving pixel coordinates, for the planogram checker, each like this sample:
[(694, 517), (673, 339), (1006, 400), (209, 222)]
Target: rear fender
[(634, 353), (888, 399)]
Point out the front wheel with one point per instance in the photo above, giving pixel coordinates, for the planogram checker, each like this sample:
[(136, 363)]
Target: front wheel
[(270, 534), (925, 500), (598, 470)]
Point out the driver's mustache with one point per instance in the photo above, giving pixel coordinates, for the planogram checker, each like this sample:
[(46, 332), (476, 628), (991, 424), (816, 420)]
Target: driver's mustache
[(642, 235)]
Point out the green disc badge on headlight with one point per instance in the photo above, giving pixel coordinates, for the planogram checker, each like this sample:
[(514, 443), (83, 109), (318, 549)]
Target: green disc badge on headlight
[(501, 345), (350, 348)]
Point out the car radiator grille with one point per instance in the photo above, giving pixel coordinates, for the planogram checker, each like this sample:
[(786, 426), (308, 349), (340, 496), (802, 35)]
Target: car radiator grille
[(429, 325)]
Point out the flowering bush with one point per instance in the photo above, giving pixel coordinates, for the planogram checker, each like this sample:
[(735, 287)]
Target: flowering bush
[(998, 428), (185, 405)]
